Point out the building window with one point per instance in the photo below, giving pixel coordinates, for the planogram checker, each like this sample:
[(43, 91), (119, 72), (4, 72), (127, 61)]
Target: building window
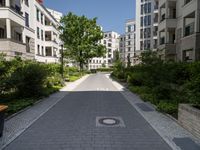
[(48, 51), (27, 19), (189, 29), (38, 32), (2, 33), (141, 21), (42, 51), (18, 36), (2, 3), (129, 28), (142, 9), (42, 35), (26, 2), (187, 55), (109, 45), (38, 49), (42, 20), (149, 7), (38, 15), (28, 49)]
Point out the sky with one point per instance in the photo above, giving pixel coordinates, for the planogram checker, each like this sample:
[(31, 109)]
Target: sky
[(111, 14)]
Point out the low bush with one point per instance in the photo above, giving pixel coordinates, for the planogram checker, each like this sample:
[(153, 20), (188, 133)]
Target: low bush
[(105, 69), (29, 79), (166, 107), (165, 84)]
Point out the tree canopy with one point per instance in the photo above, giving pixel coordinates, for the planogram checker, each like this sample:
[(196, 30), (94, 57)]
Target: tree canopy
[(81, 37)]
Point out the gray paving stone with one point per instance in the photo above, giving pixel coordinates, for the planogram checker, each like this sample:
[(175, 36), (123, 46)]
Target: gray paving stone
[(71, 123)]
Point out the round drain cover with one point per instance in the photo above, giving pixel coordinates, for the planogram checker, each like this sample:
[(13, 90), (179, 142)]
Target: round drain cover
[(109, 121)]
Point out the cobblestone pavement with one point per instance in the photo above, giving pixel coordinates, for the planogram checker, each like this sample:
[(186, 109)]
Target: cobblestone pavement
[(72, 124)]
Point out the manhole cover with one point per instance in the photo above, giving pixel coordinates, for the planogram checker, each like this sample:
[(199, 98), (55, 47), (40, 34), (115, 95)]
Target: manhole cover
[(109, 122)]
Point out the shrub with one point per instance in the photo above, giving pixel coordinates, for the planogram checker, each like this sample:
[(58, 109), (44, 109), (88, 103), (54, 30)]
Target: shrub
[(105, 69), (166, 107), (29, 79)]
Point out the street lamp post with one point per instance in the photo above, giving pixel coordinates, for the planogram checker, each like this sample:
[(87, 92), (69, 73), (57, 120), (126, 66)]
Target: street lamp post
[(62, 63)]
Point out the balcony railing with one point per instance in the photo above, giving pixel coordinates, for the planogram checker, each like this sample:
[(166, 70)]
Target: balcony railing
[(15, 8)]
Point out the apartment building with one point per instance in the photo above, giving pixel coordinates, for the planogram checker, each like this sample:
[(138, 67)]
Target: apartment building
[(146, 25), (28, 30), (111, 41), (167, 29), (47, 41), (130, 43), (179, 39), (16, 34), (122, 47), (56, 14)]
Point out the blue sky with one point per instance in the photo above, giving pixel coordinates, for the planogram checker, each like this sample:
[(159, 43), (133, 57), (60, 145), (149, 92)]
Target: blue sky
[(111, 13)]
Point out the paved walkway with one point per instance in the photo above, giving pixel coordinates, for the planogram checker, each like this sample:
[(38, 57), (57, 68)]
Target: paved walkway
[(74, 123)]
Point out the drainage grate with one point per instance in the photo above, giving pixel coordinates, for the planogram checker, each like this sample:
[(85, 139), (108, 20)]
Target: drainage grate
[(144, 107), (186, 143), (109, 122)]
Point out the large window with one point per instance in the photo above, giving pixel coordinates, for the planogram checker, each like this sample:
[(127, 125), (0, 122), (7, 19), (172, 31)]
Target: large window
[(42, 18), (147, 20), (28, 49), (188, 55), (38, 32), (2, 33), (42, 35), (27, 19), (189, 29), (141, 21), (38, 14), (129, 28)]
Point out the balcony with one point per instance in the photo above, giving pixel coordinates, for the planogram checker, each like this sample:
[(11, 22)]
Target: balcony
[(11, 10), (167, 23)]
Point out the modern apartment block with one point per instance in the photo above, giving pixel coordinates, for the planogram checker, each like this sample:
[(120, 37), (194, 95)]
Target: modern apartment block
[(28, 30), (16, 35), (179, 39), (167, 29), (122, 47), (47, 42), (146, 25), (130, 44), (111, 41)]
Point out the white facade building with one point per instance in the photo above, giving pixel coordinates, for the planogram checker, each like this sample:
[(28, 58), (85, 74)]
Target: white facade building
[(57, 15), (28, 30), (47, 41), (16, 38), (111, 41), (179, 28), (130, 46), (122, 47), (146, 25)]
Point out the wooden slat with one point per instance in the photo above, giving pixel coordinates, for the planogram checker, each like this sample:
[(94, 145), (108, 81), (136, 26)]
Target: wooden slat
[(3, 107)]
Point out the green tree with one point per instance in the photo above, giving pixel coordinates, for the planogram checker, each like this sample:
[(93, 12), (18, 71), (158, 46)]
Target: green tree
[(81, 37)]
